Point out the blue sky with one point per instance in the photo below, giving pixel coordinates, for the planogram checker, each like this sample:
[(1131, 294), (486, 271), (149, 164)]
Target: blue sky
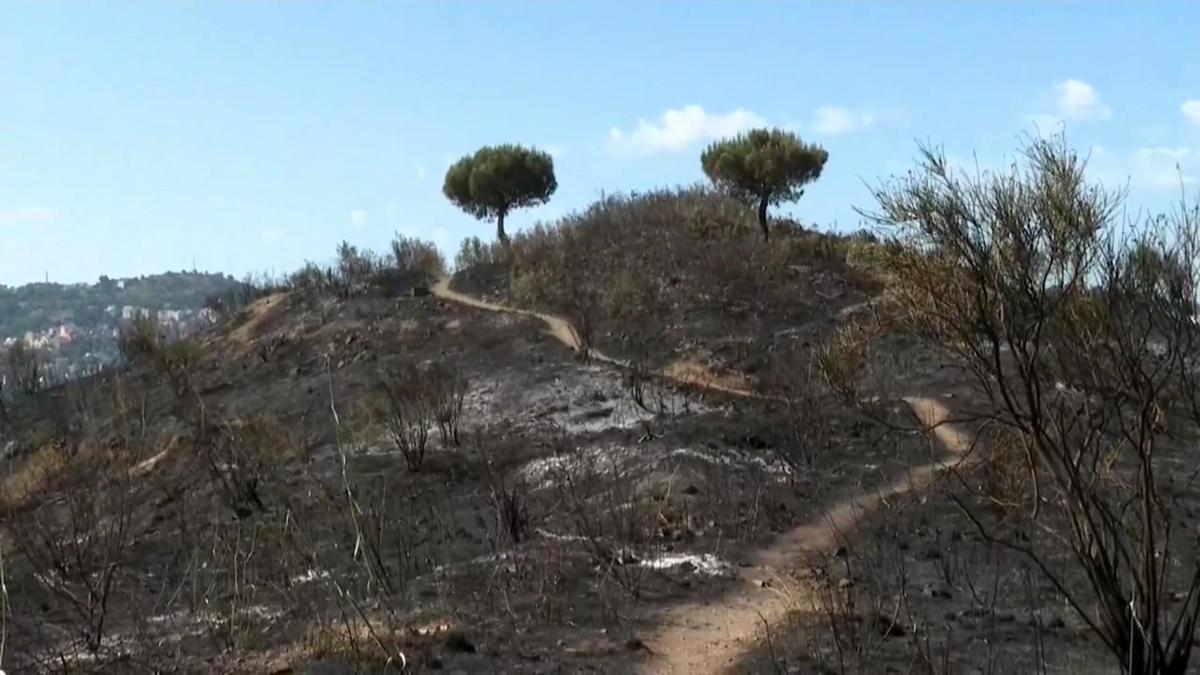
[(137, 137)]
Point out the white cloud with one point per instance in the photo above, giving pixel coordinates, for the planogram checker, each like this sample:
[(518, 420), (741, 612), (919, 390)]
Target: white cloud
[(1191, 110), (422, 172), (1078, 100), (28, 216), (832, 120), (358, 218), (1151, 168), (1165, 167), (1073, 100), (678, 129)]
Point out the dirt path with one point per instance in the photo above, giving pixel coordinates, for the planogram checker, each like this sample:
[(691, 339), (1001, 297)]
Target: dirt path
[(711, 637), (559, 328), (683, 372)]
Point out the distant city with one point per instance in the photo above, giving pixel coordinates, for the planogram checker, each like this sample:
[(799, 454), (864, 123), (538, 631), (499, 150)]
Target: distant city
[(75, 327)]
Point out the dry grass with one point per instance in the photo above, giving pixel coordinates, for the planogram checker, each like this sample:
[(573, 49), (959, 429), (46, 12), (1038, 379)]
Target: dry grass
[(33, 475)]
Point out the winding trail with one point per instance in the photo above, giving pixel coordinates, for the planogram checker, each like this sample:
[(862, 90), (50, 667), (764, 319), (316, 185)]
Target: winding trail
[(682, 372), (713, 636)]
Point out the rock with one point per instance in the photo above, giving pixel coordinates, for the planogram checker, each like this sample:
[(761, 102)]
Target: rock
[(756, 442), (845, 583), (597, 413), (931, 554), (937, 591), (457, 641), (762, 583), (886, 627), (635, 645)]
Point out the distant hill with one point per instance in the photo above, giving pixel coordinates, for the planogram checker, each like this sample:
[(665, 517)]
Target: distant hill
[(74, 323)]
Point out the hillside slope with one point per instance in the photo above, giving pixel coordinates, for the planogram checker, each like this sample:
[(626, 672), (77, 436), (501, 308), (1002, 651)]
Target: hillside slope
[(326, 484)]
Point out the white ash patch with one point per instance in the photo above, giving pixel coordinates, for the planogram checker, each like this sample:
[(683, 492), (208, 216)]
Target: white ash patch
[(601, 460), (738, 460), (587, 399), (706, 564), (309, 577)]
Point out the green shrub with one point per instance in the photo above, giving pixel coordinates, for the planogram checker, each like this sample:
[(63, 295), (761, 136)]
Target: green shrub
[(25, 367), (417, 262), (178, 361), (140, 338), (630, 297), (357, 270), (869, 259)]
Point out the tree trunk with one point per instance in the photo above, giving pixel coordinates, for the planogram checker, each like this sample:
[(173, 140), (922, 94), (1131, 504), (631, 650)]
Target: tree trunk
[(762, 216), (501, 235)]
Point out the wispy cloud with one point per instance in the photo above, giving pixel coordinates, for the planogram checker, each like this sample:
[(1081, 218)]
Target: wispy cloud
[(833, 120), (678, 129), (1072, 100), (1191, 111), (1165, 167), (1154, 168), (28, 216)]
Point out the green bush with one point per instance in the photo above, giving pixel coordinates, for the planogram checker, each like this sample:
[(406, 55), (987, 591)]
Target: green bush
[(25, 367), (178, 361), (630, 297), (417, 262), (140, 338)]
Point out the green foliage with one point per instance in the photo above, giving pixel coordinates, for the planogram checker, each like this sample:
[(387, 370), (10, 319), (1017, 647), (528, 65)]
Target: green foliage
[(140, 338), (41, 306), (24, 365), (474, 254), (416, 261), (843, 360), (869, 258), (764, 167), (497, 179), (356, 270), (178, 361), (630, 297)]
